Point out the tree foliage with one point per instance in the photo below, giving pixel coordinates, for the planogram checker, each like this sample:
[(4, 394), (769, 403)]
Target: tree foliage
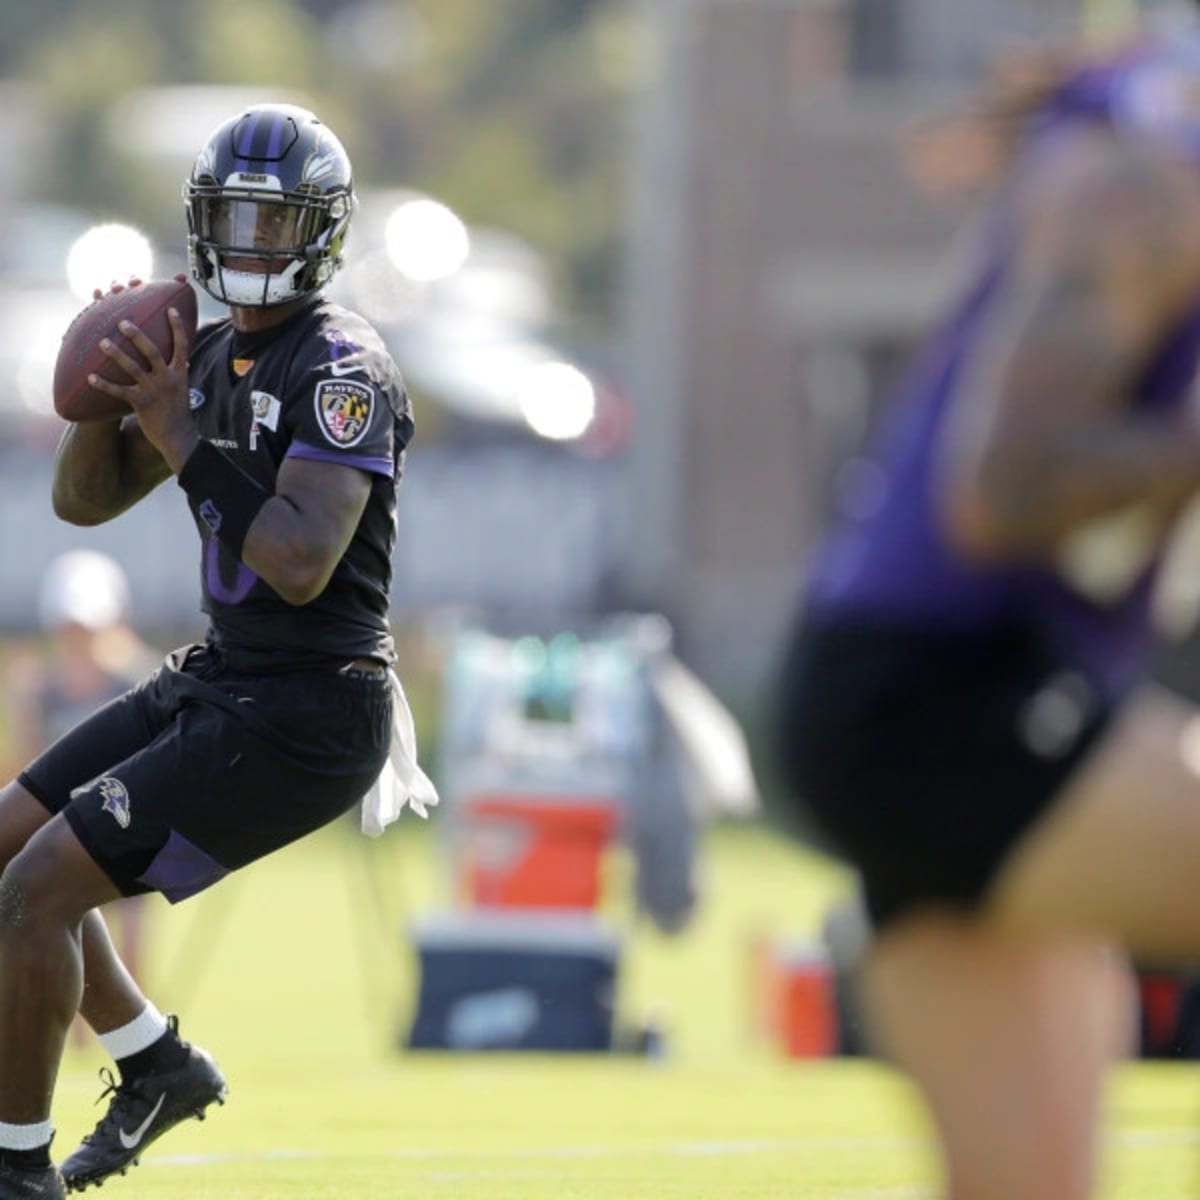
[(513, 113)]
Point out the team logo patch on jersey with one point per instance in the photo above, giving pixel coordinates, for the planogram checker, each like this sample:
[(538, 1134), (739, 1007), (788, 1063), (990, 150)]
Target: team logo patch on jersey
[(114, 799), (344, 408)]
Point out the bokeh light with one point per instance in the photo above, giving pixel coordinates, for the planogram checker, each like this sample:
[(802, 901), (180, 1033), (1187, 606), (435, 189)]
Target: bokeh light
[(557, 400), (106, 253), (426, 240)]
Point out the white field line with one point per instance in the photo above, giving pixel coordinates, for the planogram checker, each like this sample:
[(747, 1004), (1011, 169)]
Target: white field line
[(1134, 1139)]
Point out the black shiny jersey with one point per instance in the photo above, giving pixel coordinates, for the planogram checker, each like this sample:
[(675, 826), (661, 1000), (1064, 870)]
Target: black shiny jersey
[(321, 386)]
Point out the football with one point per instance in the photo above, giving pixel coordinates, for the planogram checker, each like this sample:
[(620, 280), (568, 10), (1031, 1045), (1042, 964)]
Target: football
[(145, 304)]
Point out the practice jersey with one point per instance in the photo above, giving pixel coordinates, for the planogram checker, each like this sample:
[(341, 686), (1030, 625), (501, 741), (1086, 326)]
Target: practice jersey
[(887, 559), (320, 386)]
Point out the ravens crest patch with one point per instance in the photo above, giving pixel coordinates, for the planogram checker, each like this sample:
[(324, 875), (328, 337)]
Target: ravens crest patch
[(344, 408)]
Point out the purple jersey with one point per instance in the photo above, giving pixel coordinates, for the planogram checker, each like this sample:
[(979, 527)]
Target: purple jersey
[(886, 557)]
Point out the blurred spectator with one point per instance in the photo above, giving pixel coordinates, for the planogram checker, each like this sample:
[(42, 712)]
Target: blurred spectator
[(91, 655)]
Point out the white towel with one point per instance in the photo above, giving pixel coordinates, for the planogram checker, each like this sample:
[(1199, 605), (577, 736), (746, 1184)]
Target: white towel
[(722, 776), (401, 781)]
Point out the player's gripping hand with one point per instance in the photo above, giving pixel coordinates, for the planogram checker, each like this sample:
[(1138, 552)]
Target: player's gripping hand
[(158, 394)]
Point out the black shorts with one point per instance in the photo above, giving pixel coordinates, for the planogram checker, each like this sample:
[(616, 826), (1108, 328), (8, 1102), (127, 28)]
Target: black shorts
[(201, 769), (923, 757)]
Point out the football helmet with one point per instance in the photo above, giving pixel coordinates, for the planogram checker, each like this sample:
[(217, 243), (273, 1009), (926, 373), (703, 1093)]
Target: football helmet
[(268, 203)]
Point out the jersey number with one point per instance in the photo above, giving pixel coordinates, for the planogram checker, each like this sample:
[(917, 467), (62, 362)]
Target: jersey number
[(243, 580)]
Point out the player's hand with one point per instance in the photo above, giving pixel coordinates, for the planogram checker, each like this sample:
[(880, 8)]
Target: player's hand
[(116, 286), (158, 394)]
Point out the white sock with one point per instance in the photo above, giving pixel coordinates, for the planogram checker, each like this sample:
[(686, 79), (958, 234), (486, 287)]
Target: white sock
[(144, 1030), (25, 1137)]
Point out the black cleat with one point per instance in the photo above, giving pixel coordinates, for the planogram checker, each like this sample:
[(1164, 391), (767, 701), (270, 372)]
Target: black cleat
[(37, 1183), (140, 1112)]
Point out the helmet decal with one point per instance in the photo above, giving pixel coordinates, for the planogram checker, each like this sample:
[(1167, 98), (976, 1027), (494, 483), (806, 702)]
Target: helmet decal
[(205, 162), (319, 167)]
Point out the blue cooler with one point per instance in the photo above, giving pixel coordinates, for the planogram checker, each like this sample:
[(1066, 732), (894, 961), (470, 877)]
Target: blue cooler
[(514, 982)]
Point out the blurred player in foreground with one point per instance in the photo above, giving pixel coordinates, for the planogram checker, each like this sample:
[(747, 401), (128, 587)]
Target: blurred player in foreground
[(965, 706), (285, 433)]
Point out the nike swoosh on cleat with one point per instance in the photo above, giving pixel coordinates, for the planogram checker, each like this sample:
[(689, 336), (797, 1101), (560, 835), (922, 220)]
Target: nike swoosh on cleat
[(132, 1140)]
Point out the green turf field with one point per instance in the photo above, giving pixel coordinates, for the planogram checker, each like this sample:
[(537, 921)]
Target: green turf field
[(301, 983)]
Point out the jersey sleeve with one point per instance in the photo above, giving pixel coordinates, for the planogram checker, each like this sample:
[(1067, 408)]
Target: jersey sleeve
[(343, 410)]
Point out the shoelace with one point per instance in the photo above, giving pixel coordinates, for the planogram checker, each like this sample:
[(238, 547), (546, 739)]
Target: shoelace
[(111, 1088)]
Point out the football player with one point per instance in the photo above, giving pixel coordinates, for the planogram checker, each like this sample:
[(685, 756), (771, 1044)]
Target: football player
[(965, 708), (286, 433)]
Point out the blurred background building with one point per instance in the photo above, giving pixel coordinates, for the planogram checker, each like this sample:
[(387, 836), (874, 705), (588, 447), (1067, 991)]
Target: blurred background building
[(785, 253), (644, 263)]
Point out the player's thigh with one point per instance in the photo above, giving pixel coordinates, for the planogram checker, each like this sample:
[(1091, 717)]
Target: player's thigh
[(1118, 853), (21, 816), (112, 733), (1008, 1040), (208, 796)]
